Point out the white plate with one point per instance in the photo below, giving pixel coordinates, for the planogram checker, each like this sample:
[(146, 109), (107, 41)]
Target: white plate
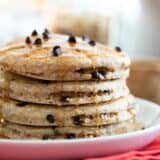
[(149, 115)]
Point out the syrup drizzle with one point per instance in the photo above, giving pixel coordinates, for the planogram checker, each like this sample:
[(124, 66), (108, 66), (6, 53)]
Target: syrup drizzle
[(95, 98)]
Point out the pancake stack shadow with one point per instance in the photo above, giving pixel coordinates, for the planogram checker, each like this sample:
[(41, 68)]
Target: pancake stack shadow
[(63, 87)]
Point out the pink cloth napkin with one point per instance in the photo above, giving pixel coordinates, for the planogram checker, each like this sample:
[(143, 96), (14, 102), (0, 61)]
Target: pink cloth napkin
[(151, 152)]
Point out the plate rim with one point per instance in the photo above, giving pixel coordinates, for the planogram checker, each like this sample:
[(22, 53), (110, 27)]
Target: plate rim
[(151, 129)]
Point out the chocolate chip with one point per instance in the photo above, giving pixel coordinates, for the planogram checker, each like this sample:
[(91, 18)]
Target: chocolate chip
[(64, 99), (45, 137), (45, 36), (84, 37), (107, 92), (70, 135), (90, 116), (102, 72), (38, 41), (21, 104), (118, 49), (28, 40), (72, 39), (45, 82), (78, 120), (53, 127), (56, 51), (97, 75), (46, 31), (92, 43), (34, 33), (81, 71), (50, 118)]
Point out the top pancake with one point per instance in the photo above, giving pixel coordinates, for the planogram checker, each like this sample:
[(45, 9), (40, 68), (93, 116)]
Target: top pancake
[(78, 61)]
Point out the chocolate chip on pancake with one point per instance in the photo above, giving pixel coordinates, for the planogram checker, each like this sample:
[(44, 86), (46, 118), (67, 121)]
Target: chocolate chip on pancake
[(92, 42), (28, 40), (50, 118), (34, 33), (53, 127), (21, 104), (45, 82), (78, 120), (84, 37), (46, 31), (72, 40), (64, 99), (45, 36), (97, 75), (118, 49), (103, 72), (91, 117), (56, 51), (70, 135), (107, 92), (45, 137), (38, 42)]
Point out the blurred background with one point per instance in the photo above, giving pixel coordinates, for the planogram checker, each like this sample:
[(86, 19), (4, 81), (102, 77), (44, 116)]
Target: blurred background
[(132, 25)]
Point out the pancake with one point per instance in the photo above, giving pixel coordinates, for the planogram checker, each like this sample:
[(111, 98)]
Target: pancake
[(60, 86), (0, 111), (56, 87), (75, 61), (84, 115), (1, 131), (1, 128), (15, 131), (57, 93)]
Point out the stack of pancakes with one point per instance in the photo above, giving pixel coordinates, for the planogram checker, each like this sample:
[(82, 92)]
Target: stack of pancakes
[(59, 86)]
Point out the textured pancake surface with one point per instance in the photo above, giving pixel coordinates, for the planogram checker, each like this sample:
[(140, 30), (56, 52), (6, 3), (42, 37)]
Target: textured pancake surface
[(60, 93), (85, 115), (80, 61), (15, 131)]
